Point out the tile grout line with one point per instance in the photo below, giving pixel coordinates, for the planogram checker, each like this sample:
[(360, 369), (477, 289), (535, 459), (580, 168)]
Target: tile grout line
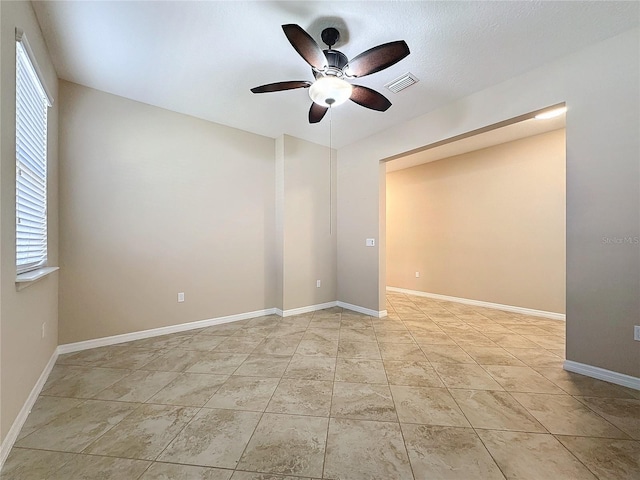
[(180, 406), (262, 412), (395, 408), (527, 410), (199, 409), (267, 405), (471, 424), (333, 385), (397, 316), (575, 456), (391, 392), (472, 427)]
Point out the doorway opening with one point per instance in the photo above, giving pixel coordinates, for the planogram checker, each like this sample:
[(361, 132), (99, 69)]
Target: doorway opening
[(480, 218)]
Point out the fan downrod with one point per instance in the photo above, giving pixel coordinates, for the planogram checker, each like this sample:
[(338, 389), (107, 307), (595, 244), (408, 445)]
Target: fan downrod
[(330, 36), (337, 60)]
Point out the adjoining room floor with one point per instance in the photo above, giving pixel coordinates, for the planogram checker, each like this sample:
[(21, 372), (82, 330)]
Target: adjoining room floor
[(436, 390)]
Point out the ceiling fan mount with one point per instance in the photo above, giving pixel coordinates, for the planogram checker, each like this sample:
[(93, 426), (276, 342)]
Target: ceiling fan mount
[(331, 67), (330, 36)]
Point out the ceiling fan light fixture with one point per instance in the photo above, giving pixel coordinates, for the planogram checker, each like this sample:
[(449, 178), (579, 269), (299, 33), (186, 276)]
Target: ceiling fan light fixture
[(330, 67), (330, 91)]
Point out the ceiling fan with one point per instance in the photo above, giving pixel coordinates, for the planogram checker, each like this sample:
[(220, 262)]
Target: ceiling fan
[(331, 67)]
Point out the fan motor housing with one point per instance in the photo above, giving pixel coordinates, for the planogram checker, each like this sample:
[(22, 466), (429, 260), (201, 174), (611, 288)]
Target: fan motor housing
[(336, 59)]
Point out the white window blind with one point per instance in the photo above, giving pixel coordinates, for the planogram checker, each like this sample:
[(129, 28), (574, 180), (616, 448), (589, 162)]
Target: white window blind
[(31, 165)]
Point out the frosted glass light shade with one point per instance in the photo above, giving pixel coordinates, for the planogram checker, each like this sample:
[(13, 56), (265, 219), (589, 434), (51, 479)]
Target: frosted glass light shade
[(330, 91)]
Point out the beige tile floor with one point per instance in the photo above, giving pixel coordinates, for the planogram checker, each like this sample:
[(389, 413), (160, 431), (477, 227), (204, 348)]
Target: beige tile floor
[(436, 390)]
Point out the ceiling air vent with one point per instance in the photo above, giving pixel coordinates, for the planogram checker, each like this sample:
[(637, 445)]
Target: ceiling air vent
[(402, 82)]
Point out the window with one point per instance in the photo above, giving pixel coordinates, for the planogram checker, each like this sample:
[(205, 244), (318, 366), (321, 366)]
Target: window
[(32, 103)]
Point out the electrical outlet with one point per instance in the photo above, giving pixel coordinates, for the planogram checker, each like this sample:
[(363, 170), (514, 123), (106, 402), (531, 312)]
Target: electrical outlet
[(370, 242), (44, 327), (180, 297), (318, 283), (417, 274), (636, 333)]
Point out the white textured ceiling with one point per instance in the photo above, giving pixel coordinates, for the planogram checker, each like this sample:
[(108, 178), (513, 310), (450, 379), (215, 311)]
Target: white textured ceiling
[(202, 57)]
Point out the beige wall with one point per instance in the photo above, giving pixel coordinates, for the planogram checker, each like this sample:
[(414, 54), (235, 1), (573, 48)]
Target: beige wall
[(308, 203), (279, 215), (154, 203), (600, 86), (487, 225), (24, 353)]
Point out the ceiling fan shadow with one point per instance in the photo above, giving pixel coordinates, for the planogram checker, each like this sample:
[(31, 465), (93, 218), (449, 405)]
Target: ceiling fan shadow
[(320, 23)]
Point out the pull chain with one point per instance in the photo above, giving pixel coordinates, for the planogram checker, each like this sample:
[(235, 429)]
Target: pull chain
[(330, 172)]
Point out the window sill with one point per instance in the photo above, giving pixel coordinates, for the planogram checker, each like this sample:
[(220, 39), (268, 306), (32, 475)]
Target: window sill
[(23, 280)]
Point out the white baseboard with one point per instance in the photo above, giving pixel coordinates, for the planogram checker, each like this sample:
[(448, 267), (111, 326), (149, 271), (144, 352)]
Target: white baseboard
[(479, 303), (155, 332), (182, 327), (602, 374), (302, 310), (322, 306), (365, 311), (14, 431)]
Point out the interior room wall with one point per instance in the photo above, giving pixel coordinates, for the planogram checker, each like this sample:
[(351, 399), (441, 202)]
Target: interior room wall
[(154, 203), (279, 215), (358, 219), (24, 351), (486, 225), (308, 222), (600, 85)]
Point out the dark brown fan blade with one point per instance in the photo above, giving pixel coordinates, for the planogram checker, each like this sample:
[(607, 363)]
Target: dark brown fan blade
[(369, 98), (305, 46), (377, 58), (279, 86), (316, 112)]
